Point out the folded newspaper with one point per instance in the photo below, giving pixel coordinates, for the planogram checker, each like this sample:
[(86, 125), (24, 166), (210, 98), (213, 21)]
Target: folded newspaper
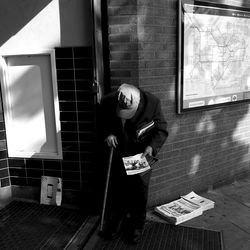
[(135, 164), (201, 201), (184, 208), (140, 133)]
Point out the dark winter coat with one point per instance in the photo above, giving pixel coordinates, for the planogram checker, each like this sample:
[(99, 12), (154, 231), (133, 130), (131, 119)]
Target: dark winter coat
[(149, 110)]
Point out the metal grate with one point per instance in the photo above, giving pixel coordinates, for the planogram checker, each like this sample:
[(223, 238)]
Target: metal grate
[(161, 236), (26, 225)]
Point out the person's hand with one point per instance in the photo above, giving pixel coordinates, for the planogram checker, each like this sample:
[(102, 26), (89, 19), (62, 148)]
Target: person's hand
[(148, 151), (111, 140)]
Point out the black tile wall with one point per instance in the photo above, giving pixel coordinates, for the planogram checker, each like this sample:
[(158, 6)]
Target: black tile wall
[(4, 169), (66, 85), (19, 181), (34, 173), (69, 136), (72, 185), (66, 74), (68, 126), (83, 85), (34, 182), (3, 154), (65, 63), (37, 164), (70, 166), (2, 126), (67, 96), (4, 173), (3, 163), (53, 173), (77, 116), (64, 53), (70, 146), (52, 165), (18, 172), (16, 163), (5, 182)]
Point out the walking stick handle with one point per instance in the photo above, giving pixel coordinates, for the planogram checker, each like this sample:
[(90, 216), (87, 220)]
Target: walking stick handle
[(106, 187)]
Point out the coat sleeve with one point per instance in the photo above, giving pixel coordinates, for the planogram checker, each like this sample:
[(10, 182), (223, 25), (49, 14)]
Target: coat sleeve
[(108, 119), (105, 119), (160, 132)]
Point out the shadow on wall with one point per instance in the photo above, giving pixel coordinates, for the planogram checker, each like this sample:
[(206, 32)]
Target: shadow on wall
[(207, 147), (45, 23), (14, 15), (75, 23), (204, 149)]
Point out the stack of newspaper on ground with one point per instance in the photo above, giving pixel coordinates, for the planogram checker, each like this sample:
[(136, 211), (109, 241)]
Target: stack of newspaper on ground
[(185, 208)]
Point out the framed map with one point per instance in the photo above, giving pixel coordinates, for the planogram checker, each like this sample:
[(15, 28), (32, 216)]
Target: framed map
[(213, 55)]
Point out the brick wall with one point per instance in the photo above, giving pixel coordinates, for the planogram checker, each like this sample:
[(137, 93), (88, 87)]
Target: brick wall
[(77, 116), (204, 148)]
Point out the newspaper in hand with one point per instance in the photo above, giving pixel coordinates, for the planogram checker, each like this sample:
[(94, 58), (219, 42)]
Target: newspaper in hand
[(135, 164)]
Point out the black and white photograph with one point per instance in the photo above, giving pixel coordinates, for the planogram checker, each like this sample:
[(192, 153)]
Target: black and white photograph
[(135, 164), (117, 117)]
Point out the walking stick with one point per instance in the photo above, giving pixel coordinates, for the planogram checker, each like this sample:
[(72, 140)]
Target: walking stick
[(106, 188)]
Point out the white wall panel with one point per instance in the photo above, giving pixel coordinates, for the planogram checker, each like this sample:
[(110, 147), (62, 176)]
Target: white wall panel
[(31, 105)]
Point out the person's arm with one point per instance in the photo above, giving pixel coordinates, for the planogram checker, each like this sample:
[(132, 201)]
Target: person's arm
[(108, 135), (159, 134)]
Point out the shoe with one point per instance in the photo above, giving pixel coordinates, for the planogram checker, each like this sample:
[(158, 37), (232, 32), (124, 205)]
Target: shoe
[(134, 236), (113, 229)]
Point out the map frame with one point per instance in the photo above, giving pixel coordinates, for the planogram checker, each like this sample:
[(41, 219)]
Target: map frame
[(226, 81)]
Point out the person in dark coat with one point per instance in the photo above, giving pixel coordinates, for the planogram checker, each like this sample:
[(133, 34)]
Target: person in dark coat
[(124, 113)]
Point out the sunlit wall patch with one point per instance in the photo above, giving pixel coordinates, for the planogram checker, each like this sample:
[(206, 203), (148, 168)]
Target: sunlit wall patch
[(195, 163)]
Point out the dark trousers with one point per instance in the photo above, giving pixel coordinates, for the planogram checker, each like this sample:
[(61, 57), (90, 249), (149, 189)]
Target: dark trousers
[(128, 194)]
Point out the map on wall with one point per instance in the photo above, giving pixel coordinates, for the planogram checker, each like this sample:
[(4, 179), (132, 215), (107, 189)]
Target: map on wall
[(216, 55)]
